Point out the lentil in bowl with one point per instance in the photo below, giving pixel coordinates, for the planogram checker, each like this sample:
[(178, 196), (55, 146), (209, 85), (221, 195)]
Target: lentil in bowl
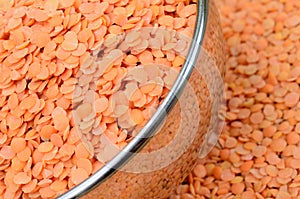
[(43, 48)]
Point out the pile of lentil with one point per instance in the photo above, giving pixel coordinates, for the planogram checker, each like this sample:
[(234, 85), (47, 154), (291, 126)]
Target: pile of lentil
[(44, 46), (258, 155)]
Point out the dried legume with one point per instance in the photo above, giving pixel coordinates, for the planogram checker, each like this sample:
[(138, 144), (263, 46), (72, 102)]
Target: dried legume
[(62, 67), (259, 145)]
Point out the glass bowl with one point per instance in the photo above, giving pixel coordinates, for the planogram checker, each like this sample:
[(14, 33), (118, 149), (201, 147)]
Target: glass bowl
[(185, 126)]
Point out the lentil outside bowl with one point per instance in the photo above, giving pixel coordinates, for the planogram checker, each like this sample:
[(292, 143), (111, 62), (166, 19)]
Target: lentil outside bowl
[(137, 172)]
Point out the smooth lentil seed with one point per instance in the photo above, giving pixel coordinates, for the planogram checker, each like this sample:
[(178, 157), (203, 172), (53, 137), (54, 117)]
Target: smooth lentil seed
[(58, 186), (24, 155), (45, 147), (85, 164), (78, 175), (18, 144), (22, 178), (29, 187)]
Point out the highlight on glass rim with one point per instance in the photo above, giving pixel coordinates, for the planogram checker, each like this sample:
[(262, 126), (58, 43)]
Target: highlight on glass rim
[(102, 96)]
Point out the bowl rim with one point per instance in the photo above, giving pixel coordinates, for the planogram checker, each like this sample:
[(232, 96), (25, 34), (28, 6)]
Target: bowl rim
[(147, 132)]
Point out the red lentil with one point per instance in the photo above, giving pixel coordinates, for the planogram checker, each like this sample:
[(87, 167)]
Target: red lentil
[(45, 52), (262, 84)]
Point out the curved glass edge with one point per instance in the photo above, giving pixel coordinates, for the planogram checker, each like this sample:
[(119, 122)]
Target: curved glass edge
[(143, 137)]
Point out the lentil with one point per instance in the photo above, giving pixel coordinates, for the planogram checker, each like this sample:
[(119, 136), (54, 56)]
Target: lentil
[(53, 84), (263, 99)]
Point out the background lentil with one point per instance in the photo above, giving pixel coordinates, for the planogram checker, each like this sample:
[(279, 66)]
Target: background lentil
[(258, 155), (43, 46)]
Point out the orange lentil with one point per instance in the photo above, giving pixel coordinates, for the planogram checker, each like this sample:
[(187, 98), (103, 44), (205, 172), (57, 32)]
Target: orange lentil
[(40, 38), (224, 154), (272, 158), (291, 99), (238, 188), (24, 155), (37, 168), (137, 116), (261, 102), (187, 11), (44, 183), (45, 147), (67, 149), (257, 136), (58, 186), (56, 139), (18, 144), (29, 187), (6, 152), (81, 151), (230, 142), (27, 102), (278, 145), (78, 175), (22, 178), (146, 57), (258, 38), (81, 49), (67, 3), (217, 172), (47, 131), (58, 169), (17, 164), (248, 195), (227, 175), (271, 170), (285, 173), (292, 138), (166, 20), (60, 122), (37, 14), (259, 151), (200, 171), (70, 42), (269, 131), (256, 118), (85, 164), (47, 192)]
